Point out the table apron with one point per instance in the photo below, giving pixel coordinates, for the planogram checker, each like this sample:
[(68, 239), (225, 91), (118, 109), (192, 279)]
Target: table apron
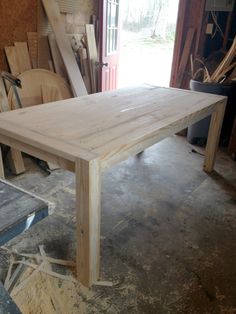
[(37, 152), (135, 148)]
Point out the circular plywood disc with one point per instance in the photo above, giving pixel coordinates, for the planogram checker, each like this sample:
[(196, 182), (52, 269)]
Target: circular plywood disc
[(32, 82)]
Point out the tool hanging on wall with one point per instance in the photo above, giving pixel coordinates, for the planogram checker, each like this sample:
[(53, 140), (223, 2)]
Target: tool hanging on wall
[(15, 83)]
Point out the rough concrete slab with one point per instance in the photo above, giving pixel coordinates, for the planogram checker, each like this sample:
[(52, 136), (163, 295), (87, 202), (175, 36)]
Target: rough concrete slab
[(168, 235)]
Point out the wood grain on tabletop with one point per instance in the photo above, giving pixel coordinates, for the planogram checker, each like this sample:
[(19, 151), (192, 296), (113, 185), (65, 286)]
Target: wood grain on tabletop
[(103, 122)]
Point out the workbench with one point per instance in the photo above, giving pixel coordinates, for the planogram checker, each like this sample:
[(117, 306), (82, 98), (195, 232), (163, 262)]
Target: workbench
[(89, 134)]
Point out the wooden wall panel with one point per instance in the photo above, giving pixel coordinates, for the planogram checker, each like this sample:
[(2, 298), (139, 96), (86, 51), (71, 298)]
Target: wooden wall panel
[(81, 15), (84, 9), (19, 17), (16, 19)]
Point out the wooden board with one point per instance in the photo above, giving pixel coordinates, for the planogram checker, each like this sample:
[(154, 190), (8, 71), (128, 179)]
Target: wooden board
[(12, 59), (85, 68), (18, 58), (33, 48), (90, 134), (56, 57), (76, 80), (23, 56), (185, 56), (92, 55), (35, 79), (189, 15), (43, 30)]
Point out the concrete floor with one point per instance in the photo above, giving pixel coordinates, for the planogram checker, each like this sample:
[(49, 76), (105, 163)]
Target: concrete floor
[(168, 233)]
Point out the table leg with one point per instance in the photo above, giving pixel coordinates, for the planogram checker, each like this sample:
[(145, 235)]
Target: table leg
[(1, 165), (213, 137), (88, 205), (16, 161)]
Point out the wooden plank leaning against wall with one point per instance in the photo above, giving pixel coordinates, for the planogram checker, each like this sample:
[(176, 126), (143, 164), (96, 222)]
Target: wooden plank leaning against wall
[(74, 74), (192, 16)]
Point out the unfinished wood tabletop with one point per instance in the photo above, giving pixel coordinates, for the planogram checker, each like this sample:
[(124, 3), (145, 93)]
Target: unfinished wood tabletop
[(106, 122)]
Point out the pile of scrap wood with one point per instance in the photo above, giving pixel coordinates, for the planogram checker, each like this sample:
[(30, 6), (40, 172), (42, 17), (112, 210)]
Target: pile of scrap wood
[(223, 72)]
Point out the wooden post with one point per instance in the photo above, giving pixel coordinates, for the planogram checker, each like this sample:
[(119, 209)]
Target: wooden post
[(214, 137), (88, 204), (2, 176), (16, 161)]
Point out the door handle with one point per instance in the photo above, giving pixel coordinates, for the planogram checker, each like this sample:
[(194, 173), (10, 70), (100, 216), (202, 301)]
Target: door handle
[(101, 64)]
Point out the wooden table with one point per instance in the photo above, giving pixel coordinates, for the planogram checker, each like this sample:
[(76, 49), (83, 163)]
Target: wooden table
[(90, 134)]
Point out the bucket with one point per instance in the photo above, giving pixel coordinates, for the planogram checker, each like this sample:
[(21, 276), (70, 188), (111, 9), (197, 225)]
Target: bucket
[(198, 132)]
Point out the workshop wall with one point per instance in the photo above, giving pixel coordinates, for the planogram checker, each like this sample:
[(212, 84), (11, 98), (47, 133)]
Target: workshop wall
[(19, 17), (16, 19)]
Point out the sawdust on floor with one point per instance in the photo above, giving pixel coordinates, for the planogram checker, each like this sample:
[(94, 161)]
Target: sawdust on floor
[(44, 294)]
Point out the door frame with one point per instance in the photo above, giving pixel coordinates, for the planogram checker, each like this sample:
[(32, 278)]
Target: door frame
[(102, 40)]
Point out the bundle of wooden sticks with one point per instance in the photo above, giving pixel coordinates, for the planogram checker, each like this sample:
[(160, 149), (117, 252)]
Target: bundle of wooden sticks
[(225, 71)]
